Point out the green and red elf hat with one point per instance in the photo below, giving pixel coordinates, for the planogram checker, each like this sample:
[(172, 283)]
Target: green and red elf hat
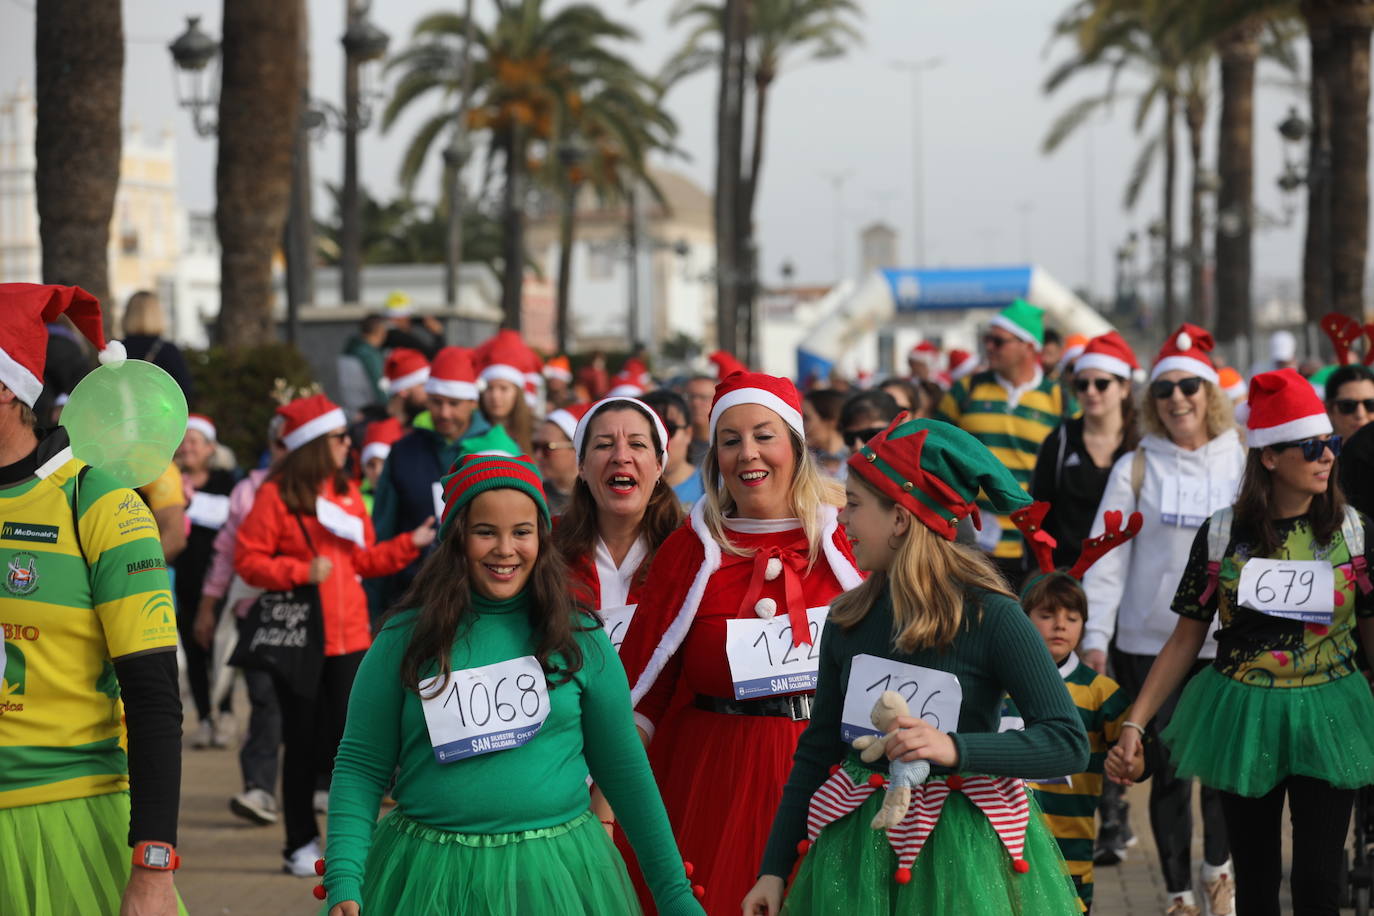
[(935, 470), (476, 474)]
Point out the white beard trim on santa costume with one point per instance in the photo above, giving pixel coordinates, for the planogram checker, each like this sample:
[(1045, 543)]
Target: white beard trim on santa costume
[(845, 572)]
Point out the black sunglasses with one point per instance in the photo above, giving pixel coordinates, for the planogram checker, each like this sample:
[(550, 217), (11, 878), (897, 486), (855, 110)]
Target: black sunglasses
[(1348, 406), (857, 437), (547, 448), (1163, 389), (997, 342), (1312, 448), (1083, 384)]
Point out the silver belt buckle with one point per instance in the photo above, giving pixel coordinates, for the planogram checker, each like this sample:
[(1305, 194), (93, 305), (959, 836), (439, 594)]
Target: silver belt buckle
[(800, 707)]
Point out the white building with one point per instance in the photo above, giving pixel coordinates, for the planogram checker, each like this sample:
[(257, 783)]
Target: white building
[(21, 258)]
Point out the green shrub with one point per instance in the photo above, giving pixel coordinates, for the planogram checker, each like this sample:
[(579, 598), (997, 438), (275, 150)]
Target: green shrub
[(235, 389)]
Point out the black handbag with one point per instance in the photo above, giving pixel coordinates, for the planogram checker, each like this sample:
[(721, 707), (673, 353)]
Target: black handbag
[(283, 634)]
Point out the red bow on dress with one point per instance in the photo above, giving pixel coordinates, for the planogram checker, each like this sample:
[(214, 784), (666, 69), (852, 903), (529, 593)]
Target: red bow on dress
[(789, 565)]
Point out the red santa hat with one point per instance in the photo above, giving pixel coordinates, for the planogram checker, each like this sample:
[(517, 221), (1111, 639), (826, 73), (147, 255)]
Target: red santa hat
[(379, 437), (726, 364), (1108, 353), (504, 357), (452, 375), (1284, 408), (28, 309), (567, 418), (631, 381), (584, 424), (559, 369), (309, 418), (405, 369), (203, 425), (1186, 349), (777, 394), (923, 352), (961, 364)]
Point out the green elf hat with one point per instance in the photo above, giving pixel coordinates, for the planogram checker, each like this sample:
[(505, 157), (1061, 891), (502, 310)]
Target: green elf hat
[(495, 441), (935, 471), (476, 474), (1024, 320), (1042, 543)]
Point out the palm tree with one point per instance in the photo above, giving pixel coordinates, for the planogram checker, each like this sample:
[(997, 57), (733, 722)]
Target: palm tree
[(407, 231), (259, 113), (79, 53), (529, 69), (767, 35)]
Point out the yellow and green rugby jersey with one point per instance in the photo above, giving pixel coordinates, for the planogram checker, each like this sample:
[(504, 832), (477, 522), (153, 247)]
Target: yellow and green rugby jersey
[(1069, 806), (981, 407), (66, 619)]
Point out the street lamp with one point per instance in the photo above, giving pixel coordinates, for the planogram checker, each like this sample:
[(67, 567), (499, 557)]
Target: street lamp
[(363, 43), (195, 79), (570, 154), (916, 68)]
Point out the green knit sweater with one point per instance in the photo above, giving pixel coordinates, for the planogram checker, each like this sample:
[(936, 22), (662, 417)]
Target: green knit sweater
[(589, 730), (995, 653)]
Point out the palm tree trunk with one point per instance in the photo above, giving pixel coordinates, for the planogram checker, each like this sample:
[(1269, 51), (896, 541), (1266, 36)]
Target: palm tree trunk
[(259, 111), (748, 245), (1349, 88), (1239, 50), (79, 51), (1170, 173), (513, 229), (1316, 261), (1195, 116), (729, 139), (566, 232)]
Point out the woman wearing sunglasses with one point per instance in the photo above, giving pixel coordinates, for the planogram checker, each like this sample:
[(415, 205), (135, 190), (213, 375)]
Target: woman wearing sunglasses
[(1074, 462), (1282, 710), (1350, 399), (1186, 467), (555, 456)]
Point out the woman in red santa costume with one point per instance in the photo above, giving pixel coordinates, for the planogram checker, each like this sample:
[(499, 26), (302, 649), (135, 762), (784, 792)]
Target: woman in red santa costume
[(721, 653)]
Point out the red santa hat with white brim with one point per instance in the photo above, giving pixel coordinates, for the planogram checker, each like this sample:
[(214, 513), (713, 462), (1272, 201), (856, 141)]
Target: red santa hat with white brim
[(567, 418), (1187, 349), (1108, 353), (961, 364), (1284, 408), (379, 438), (631, 381), (504, 358), (28, 309), (405, 368), (584, 424), (452, 375), (777, 394), (309, 418), (203, 425)]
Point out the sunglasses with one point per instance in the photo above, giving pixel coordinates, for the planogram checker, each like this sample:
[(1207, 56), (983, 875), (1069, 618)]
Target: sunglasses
[(1083, 384), (338, 437), (1312, 448), (856, 437), (996, 341), (672, 428), (545, 448), (1163, 389), (1348, 406)]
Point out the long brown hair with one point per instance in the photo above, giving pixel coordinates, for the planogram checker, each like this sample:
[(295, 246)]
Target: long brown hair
[(1254, 514), (930, 578), (1130, 418), (520, 424), (576, 533), (302, 472), (442, 592)]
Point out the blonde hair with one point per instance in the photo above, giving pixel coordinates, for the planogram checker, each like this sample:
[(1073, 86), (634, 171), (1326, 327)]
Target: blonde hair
[(143, 315), (930, 578), (809, 491), (1221, 416)]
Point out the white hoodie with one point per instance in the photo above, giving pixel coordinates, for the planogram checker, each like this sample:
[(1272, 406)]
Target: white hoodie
[(1130, 590)]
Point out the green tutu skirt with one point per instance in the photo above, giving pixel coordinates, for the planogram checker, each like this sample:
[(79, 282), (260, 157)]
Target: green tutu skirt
[(964, 870), (66, 858), (568, 870), (1246, 740)]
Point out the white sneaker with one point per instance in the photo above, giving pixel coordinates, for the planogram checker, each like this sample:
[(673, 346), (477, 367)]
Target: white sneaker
[(256, 805), (321, 801), (301, 863), (204, 736), (1178, 906), (1221, 895), (222, 733)]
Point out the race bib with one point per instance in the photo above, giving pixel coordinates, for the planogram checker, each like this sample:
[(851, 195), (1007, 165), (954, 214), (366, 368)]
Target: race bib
[(617, 622), (763, 660), (338, 522), (208, 510), (1302, 590), (1190, 501), (932, 695), (487, 709), (437, 489)]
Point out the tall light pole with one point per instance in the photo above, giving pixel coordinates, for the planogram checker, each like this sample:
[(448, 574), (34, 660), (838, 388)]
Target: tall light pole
[(916, 68), (455, 157), (362, 42), (837, 180)]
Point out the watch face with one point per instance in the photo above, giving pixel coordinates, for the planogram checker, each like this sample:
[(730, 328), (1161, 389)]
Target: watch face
[(157, 856)]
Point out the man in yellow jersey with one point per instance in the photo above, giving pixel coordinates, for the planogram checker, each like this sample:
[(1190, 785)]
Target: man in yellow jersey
[(90, 715), (1011, 408)]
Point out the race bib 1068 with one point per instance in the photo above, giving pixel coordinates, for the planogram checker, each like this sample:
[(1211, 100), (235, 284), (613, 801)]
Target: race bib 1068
[(1302, 590), (616, 620), (763, 660), (932, 695), (487, 709)]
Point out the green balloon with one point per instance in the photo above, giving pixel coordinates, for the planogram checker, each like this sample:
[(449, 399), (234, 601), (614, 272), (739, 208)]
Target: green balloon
[(126, 418)]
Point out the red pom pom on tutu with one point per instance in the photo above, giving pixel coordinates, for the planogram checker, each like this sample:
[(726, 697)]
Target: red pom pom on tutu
[(835, 769), (903, 876), (319, 892), (1020, 866), (955, 782), (875, 779), (319, 867), (698, 891), (688, 867), (803, 847)]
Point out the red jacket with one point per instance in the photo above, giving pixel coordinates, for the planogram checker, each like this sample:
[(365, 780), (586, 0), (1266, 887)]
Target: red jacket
[(272, 554)]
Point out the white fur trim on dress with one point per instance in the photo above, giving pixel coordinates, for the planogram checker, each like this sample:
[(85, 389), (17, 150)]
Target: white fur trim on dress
[(313, 429), (1293, 431), (452, 388), (845, 571), (1187, 364), (790, 415)]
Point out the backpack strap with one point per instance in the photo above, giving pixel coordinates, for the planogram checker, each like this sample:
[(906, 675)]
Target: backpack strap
[(76, 504), (1352, 530), (1218, 537), (1059, 461)]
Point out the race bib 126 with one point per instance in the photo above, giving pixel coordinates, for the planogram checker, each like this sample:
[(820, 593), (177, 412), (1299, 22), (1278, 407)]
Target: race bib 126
[(932, 695), (487, 709), (763, 660), (1302, 590)]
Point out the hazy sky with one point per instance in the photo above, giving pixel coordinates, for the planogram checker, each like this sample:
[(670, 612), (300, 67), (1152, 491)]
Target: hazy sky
[(991, 196)]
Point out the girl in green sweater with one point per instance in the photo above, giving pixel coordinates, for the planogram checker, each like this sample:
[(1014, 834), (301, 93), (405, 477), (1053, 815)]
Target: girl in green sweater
[(935, 623), (493, 700)]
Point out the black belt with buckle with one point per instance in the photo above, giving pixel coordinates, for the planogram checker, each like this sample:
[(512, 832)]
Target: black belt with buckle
[(796, 707)]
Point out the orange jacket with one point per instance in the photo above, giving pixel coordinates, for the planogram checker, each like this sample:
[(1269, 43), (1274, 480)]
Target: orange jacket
[(272, 554)]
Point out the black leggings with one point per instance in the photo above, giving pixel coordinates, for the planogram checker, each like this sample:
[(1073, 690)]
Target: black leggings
[(1321, 817)]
